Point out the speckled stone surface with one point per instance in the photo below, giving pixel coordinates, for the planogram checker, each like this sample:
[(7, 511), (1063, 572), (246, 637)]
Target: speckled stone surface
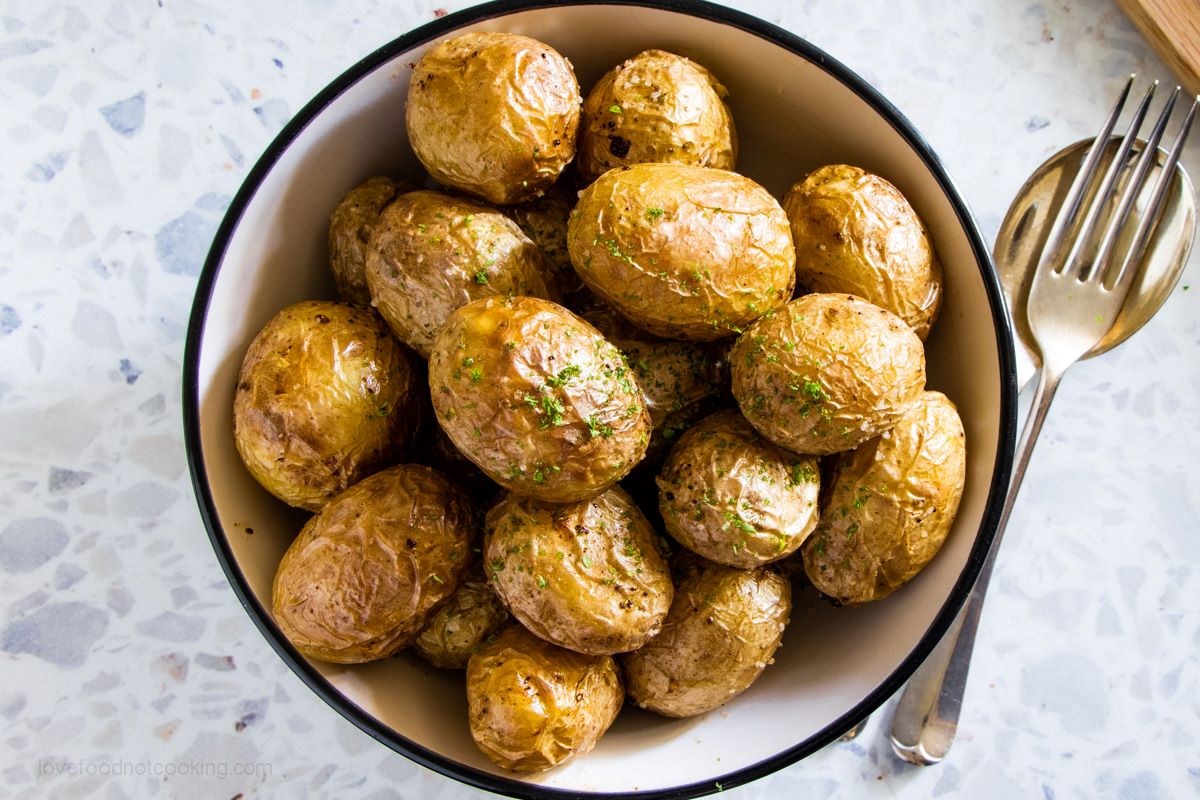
[(127, 667)]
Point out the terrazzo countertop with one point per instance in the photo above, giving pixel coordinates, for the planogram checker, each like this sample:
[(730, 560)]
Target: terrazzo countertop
[(127, 666)]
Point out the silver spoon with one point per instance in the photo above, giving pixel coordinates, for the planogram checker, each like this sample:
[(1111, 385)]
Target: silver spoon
[(926, 716)]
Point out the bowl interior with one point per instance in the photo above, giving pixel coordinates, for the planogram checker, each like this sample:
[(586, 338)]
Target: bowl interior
[(792, 115)]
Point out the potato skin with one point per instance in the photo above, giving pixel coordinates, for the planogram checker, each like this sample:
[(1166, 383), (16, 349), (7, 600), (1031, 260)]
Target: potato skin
[(723, 628), (892, 503), (683, 252), (350, 228), (586, 576), (730, 495), (537, 398), (325, 396), (462, 625), (494, 114), (431, 253), (826, 373), (544, 221), (533, 705), (359, 581), (659, 107), (855, 233)]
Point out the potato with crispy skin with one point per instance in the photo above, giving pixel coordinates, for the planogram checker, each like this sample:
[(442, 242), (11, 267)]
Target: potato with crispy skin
[(463, 624), (683, 252), (723, 629), (350, 229), (735, 498), (537, 398), (493, 114), (826, 372), (360, 580), (325, 397), (855, 233), (431, 253), (533, 705), (656, 107), (586, 576), (544, 221), (892, 503)]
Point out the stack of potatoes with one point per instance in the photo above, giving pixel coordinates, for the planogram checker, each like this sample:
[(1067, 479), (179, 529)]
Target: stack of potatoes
[(593, 400)]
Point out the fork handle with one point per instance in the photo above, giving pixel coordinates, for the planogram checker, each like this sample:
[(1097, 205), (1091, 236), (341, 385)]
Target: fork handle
[(926, 718)]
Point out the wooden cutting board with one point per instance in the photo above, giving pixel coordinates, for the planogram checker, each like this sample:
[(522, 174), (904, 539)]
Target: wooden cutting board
[(1173, 30)]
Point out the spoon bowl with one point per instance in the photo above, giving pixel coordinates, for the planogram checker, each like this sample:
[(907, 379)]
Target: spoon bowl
[(1023, 234)]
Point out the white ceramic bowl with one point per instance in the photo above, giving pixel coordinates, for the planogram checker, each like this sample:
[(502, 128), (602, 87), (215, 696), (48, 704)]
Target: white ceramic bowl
[(795, 108)]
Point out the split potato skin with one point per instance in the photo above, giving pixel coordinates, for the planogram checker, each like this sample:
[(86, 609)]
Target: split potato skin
[(826, 372), (463, 624), (855, 233), (360, 580), (431, 253), (533, 705), (723, 629), (493, 114), (656, 107), (537, 398), (325, 397), (586, 576), (728, 494), (350, 228), (892, 502), (681, 251)]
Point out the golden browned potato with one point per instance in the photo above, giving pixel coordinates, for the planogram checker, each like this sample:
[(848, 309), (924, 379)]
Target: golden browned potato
[(683, 381), (730, 495), (826, 373), (431, 253), (721, 632), (360, 580), (545, 222), (537, 398), (855, 233), (325, 397), (460, 627), (350, 229), (683, 252), (533, 705), (659, 107), (494, 114), (586, 576), (892, 504)]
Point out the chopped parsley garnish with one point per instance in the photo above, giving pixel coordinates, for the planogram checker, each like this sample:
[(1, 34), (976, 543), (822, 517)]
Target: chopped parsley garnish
[(739, 523), (476, 374), (615, 109), (653, 214), (564, 376), (541, 582), (596, 428), (481, 277)]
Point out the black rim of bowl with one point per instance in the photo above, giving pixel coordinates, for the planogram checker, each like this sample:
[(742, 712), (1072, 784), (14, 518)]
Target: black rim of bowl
[(485, 780)]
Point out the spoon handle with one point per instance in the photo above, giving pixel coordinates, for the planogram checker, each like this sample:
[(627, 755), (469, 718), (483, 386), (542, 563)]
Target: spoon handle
[(926, 717)]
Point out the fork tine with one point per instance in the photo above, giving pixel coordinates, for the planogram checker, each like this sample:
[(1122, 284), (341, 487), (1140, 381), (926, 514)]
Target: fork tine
[(1071, 206), (1141, 238), (1146, 159), (1074, 260)]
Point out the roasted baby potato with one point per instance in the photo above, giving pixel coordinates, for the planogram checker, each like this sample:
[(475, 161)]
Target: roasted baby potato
[(658, 107), (460, 627), (855, 233), (431, 253), (683, 252), (683, 381), (721, 632), (350, 229), (545, 222), (325, 397), (735, 498), (537, 398), (826, 373), (892, 503), (533, 705), (586, 576), (360, 580), (493, 114)]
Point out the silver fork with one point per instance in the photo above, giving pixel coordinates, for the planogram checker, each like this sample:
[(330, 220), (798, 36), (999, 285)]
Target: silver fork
[(1073, 300)]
